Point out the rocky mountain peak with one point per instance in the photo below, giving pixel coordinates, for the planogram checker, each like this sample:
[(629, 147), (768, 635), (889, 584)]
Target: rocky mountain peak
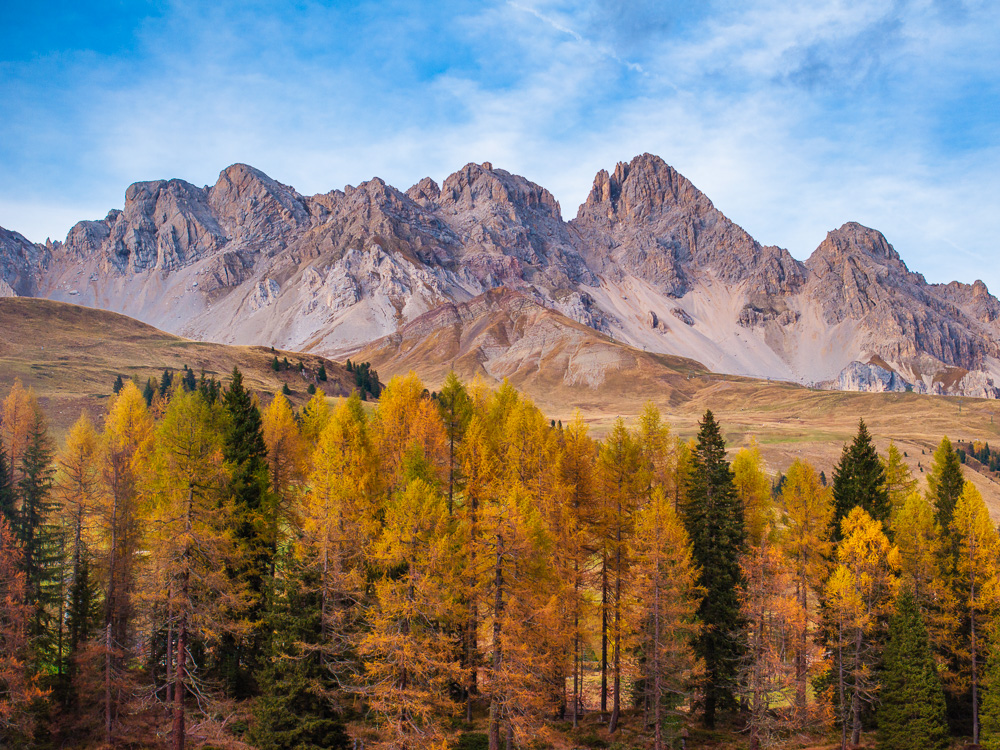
[(854, 240), (639, 189), (478, 184), (254, 208), (425, 193)]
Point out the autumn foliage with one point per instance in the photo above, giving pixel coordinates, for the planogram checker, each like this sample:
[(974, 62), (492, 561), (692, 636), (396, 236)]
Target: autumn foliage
[(200, 567)]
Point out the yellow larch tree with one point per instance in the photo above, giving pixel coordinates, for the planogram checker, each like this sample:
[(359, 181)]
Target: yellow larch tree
[(618, 466), (188, 540), (576, 468), (663, 607), (754, 490), (858, 596), (456, 411), (921, 554), (481, 467), (315, 417), (976, 587), (18, 413), (512, 572), (409, 662), (286, 462), (339, 519), (77, 491), (19, 686), (530, 448), (407, 417), (808, 508), (768, 680), (125, 444)]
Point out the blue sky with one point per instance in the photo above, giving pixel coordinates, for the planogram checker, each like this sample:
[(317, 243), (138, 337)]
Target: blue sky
[(792, 117)]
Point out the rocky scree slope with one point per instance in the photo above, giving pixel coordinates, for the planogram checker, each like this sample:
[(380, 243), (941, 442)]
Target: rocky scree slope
[(648, 261)]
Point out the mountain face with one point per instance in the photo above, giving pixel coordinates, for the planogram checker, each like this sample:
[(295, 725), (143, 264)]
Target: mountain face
[(648, 261)]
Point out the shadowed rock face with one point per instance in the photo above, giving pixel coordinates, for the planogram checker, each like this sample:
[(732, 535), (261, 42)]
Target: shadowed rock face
[(21, 264), (249, 260), (649, 220)]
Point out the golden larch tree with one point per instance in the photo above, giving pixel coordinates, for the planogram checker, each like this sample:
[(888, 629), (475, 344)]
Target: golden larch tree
[(808, 508)]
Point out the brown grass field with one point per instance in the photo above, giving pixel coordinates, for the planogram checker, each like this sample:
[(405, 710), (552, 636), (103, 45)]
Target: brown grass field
[(71, 355)]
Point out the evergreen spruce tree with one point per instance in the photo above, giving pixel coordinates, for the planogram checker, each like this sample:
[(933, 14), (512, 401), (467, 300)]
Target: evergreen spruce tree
[(190, 384), (945, 483), (321, 375), (859, 481), (37, 536), (912, 709), (294, 710), (245, 455), (713, 515), (989, 710), (8, 510), (148, 392), (119, 384), (166, 380)]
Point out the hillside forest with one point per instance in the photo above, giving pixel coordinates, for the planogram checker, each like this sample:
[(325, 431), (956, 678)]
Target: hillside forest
[(209, 568)]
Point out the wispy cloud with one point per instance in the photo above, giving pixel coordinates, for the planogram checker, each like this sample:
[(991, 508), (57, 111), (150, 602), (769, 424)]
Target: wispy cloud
[(792, 118)]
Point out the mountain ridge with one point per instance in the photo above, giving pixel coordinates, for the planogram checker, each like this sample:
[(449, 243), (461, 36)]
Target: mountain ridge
[(648, 259)]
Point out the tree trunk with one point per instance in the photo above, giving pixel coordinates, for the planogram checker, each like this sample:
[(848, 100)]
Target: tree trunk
[(178, 728), (616, 711), (169, 651), (975, 670), (842, 690), (472, 627), (657, 683), (856, 696), (801, 674), (108, 713), (604, 636), (497, 654)]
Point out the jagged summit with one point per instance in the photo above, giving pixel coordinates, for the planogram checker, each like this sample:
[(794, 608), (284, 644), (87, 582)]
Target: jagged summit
[(648, 260)]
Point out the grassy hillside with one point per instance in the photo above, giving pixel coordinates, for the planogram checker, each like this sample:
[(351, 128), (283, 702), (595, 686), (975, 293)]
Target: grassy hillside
[(71, 355)]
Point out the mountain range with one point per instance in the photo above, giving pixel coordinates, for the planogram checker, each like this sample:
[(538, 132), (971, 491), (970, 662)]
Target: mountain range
[(482, 273)]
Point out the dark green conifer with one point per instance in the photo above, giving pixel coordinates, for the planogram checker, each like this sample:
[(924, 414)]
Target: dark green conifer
[(119, 384), (911, 712), (245, 455), (166, 380), (321, 375), (859, 480), (8, 509), (189, 383), (989, 709), (311, 389), (148, 392), (945, 482), (275, 364), (286, 390), (713, 516), (295, 710), (38, 537)]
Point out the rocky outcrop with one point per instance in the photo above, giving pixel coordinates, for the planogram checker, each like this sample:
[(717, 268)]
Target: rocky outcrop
[(648, 260), (869, 377), (21, 263)]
